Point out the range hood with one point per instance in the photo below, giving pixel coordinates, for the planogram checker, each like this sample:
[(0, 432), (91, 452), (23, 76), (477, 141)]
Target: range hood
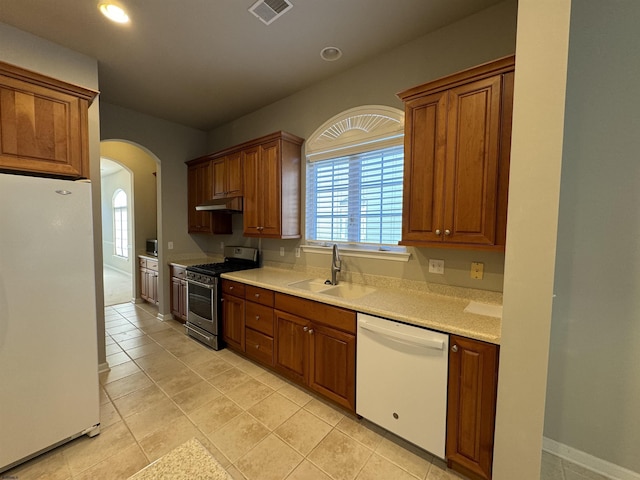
[(222, 205)]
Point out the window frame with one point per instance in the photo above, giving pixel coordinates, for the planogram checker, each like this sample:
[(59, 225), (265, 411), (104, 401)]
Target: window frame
[(120, 242)]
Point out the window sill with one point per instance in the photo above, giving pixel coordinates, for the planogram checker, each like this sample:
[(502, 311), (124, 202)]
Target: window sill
[(395, 254)]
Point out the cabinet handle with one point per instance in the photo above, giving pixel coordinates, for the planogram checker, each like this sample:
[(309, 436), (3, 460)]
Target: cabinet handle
[(311, 331), (447, 232), (438, 232), (230, 288), (257, 317), (257, 346), (454, 348), (257, 295), (305, 329)]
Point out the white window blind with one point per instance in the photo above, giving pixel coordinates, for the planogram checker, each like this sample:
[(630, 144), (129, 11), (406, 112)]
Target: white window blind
[(356, 198)]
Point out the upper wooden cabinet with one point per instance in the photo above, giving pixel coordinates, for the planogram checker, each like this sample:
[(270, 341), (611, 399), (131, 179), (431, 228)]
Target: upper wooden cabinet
[(227, 176), (43, 124), (199, 189), (272, 187), (457, 144)]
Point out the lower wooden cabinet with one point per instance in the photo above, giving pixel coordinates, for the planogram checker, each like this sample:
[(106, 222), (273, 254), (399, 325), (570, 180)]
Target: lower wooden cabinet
[(178, 292), (473, 380), (233, 319), (148, 274)]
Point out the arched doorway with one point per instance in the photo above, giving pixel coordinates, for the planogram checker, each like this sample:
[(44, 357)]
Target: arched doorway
[(142, 215)]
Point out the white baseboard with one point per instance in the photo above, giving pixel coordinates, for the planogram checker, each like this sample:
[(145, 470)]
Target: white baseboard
[(103, 367), (587, 461)]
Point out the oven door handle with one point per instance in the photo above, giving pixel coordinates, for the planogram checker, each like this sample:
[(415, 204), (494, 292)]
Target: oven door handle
[(210, 287)]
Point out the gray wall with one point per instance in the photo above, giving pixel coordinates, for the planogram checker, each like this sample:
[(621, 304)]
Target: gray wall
[(491, 33), (594, 379), (34, 53)]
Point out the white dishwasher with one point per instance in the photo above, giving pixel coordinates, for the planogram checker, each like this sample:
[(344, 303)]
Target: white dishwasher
[(401, 381)]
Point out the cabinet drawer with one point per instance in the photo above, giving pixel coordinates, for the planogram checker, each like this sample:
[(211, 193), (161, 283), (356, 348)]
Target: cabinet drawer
[(152, 265), (259, 346), (259, 295), (142, 262), (178, 272), (233, 288), (259, 317), (318, 312)]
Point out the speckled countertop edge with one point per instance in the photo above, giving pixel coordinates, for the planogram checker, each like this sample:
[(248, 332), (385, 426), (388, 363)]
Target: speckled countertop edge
[(438, 312), (189, 461)]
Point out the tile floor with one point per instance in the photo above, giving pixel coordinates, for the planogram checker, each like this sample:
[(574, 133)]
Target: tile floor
[(164, 389)]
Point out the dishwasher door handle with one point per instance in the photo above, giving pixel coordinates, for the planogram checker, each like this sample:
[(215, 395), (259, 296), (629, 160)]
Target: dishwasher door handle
[(420, 341)]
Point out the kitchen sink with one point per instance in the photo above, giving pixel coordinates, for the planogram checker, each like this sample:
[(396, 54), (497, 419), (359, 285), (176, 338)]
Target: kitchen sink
[(314, 285), (348, 291)]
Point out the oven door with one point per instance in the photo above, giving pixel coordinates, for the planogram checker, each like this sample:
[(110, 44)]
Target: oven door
[(202, 305)]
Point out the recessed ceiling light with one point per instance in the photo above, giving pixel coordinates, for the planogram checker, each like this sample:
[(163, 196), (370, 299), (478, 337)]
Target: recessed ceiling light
[(330, 54), (113, 12)]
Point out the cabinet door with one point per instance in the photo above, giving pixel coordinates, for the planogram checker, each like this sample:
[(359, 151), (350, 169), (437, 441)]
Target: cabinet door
[(233, 165), (471, 177), (473, 373), (292, 340), (219, 183), (153, 286), (270, 189), (183, 299), (252, 202), (422, 208), (199, 189), (176, 296), (233, 321), (144, 283), (332, 366)]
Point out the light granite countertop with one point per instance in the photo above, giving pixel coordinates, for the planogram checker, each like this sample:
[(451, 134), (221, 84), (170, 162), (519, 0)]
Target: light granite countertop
[(422, 308)]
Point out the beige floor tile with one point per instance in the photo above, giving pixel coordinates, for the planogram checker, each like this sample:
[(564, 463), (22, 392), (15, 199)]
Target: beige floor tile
[(118, 372), (249, 393), (108, 415), (303, 431), (271, 459), (378, 467), (295, 394), (161, 365), (150, 326), (402, 453), (104, 398), (363, 431), (121, 465), (108, 340), (235, 473), (136, 342), (166, 337), (239, 436), (184, 347), (326, 412), (210, 368), (180, 382), (86, 452), (127, 385), (148, 420), (171, 435), (128, 335), (117, 359), (551, 467), (215, 414), (274, 381), (308, 471), (149, 397), (576, 472), (250, 368), (143, 350), (196, 396), (274, 410), (340, 456), (50, 466), (112, 349), (229, 380), (438, 471), (198, 357)]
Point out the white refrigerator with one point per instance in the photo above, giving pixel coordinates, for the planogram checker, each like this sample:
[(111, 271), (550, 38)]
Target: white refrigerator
[(49, 391)]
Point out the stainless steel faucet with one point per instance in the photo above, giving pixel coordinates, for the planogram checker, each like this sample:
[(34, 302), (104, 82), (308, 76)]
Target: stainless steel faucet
[(336, 265)]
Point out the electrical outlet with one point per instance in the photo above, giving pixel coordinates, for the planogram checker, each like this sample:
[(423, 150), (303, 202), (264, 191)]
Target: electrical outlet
[(282, 251), (436, 266), (298, 252), (170, 245), (477, 270)]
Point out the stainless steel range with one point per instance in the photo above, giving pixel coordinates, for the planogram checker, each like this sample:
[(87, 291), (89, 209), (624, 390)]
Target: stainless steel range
[(204, 306)]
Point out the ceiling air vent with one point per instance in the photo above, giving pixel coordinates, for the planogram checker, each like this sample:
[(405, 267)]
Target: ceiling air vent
[(269, 10)]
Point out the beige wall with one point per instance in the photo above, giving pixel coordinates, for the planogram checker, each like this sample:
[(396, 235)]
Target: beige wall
[(492, 35), (34, 53), (594, 361)]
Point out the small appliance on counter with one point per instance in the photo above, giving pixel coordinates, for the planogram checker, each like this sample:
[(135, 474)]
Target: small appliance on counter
[(204, 294), (152, 247)]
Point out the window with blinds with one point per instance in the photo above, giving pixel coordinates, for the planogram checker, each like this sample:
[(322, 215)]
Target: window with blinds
[(356, 198)]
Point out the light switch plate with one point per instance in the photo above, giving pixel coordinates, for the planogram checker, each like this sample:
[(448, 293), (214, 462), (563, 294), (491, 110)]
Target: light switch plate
[(436, 266), (170, 245)]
